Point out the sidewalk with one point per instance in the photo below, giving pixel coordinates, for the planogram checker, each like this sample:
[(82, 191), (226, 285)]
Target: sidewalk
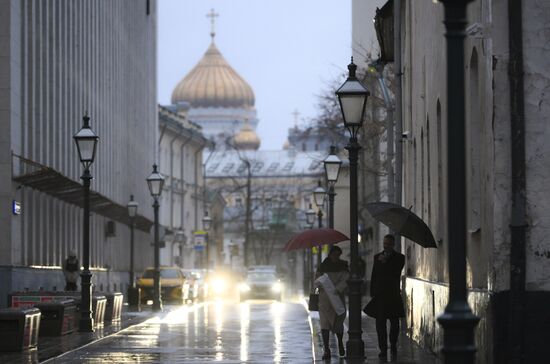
[(49, 347), (408, 352)]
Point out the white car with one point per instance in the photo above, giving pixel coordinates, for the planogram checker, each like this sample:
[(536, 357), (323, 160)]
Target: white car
[(261, 285)]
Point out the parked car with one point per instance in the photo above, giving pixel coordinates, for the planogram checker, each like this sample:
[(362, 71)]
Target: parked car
[(173, 285), (261, 284)]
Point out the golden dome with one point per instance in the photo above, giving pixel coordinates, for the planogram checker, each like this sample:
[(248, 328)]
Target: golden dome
[(213, 83), (246, 139)]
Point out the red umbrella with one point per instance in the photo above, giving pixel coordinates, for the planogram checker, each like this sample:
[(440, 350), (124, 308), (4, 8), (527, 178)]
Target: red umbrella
[(314, 237)]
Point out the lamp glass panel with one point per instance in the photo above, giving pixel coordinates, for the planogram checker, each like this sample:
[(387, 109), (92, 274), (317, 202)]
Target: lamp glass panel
[(155, 185), (132, 209), (319, 196), (310, 216), (86, 149), (332, 170), (206, 223), (352, 109)]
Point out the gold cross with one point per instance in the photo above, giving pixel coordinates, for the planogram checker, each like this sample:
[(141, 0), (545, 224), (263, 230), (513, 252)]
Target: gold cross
[(212, 15)]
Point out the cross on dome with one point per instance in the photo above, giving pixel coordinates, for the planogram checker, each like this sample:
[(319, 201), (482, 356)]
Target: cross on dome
[(212, 15)]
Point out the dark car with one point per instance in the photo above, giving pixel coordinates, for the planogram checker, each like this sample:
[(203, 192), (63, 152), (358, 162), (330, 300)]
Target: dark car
[(261, 285)]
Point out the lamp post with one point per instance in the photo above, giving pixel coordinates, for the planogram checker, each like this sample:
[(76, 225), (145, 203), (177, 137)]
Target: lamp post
[(155, 181), (206, 223), (458, 321), (308, 266), (319, 195), (86, 143), (332, 170), (352, 97), (133, 297)]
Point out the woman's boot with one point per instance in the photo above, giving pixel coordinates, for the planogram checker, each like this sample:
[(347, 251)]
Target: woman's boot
[(341, 349), (325, 334)]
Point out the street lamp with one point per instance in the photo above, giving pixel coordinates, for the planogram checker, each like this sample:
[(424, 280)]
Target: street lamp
[(458, 321), (132, 207), (308, 264), (319, 195), (86, 143), (206, 224), (352, 97), (310, 216), (155, 181), (332, 170)]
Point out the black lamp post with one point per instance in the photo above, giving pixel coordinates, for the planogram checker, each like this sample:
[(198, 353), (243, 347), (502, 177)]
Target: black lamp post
[(86, 143), (352, 96), (206, 224), (308, 266), (319, 195), (332, 170), (132, 212), (155, 181), (458, 321), (133, 296)]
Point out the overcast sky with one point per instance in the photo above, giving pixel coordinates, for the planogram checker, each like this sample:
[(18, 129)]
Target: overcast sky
[(287, 50)]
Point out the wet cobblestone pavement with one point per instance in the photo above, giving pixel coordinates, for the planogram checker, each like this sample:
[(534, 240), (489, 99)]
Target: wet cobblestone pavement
[(224, 332)]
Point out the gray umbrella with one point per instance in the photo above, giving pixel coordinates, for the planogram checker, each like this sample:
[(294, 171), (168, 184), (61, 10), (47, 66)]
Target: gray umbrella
[(402, 221)]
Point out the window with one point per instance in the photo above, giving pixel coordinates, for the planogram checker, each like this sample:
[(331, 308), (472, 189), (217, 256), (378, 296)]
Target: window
[(213, 167), (228, 167), (257, 167), (288, 166), (273, 167)]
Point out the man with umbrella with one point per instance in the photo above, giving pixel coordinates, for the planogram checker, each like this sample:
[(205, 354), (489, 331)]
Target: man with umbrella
[(386, 303)]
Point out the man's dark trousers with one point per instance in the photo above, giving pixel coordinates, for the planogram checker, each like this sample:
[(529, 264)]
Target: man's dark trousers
[(382, 332)]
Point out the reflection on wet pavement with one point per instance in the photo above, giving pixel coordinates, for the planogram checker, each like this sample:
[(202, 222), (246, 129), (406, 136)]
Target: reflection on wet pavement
[(256, 332)]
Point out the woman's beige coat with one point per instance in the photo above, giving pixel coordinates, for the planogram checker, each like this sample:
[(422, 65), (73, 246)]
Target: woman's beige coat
[(328, 317)]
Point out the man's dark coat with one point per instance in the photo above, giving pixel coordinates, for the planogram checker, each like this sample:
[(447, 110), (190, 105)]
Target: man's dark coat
[(385, 286)]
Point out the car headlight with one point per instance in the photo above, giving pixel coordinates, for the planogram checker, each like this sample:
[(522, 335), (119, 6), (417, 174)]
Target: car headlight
[(277, 287), (218, 285), (243, 287)]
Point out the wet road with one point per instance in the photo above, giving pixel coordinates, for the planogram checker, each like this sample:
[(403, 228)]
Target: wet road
[(225, 332)]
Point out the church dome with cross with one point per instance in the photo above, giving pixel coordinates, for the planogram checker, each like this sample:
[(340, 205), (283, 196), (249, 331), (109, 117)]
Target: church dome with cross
[(213, 82), (218, 98)]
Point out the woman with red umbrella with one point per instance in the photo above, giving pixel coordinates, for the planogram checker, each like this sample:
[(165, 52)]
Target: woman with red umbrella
[(331, 279)]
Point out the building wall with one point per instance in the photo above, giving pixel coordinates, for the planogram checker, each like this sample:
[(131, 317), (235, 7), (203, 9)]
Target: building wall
[(488, 177), (182, 207), (60, 59)]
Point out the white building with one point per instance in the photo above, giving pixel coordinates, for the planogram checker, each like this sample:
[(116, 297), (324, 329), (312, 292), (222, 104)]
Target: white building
[(181, 144), (58, 60)]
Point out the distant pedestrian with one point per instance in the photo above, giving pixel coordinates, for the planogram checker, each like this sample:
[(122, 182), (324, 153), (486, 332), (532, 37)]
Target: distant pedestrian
[(386, 303), (331, 279), (71, 270)]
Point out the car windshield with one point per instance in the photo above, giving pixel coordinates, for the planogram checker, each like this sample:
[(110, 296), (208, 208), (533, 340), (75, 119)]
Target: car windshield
[(164, 273), (262, 277)]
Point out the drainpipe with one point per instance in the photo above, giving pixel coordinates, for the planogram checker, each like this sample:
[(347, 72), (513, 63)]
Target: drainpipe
[(176, 137), (199, 150), (183, 192), (397, 108), (182, 204), (518, 224)]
